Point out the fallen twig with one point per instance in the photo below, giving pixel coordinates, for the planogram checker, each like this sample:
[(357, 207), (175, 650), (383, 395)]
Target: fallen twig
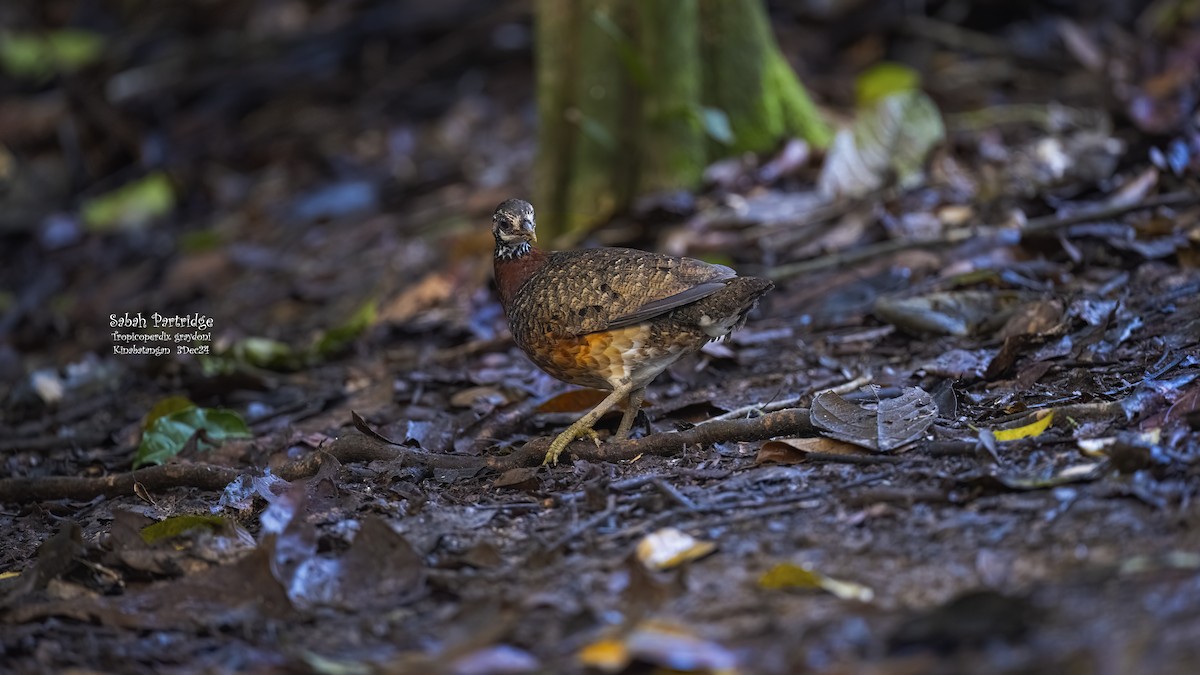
[(718, 513), (790, 402), (202, 476), (361, 448), (790, 422)]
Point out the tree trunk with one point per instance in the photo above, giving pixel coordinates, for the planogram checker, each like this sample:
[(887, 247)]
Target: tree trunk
[(748, 78), (640, 95)]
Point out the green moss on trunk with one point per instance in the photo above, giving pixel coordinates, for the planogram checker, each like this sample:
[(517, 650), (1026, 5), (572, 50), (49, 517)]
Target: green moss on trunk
[(671, 137), (622, 90), (748, 78)]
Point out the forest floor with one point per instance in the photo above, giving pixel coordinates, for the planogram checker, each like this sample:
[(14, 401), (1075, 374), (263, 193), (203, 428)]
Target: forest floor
[(983, 391)]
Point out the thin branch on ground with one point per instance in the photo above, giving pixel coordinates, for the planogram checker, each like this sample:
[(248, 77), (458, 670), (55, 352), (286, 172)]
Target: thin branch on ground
[(790, 422), (790, 402), (674, 493), (167, 476), (355, 447), (725, 513), (861, 460)]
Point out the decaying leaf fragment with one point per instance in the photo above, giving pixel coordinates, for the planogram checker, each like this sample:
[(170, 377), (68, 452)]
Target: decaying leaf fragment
[(882, 426), (670, 547), (1040, 423), (890, 140), (175, 526), (797, 450), (661, 644), (791, 576), (958, 313)]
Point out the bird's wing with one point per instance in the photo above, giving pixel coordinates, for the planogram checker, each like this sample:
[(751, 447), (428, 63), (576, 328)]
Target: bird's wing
[(592, 290), (663, 305)]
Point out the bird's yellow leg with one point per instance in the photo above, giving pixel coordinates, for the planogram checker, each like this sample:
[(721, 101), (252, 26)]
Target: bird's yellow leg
[(631, 410), (583, 426)]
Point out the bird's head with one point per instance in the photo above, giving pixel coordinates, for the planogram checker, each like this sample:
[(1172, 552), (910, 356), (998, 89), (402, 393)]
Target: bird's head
[(513, 227)]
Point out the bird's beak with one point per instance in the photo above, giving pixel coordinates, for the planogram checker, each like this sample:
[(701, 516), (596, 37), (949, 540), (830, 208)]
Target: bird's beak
[(527, 224)]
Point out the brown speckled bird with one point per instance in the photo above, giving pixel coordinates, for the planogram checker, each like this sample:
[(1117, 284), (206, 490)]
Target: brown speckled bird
[(610, 318)]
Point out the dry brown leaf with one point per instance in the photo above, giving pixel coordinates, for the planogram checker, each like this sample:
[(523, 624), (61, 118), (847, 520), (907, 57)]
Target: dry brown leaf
[(434, 289), (797, 450), (575, 400)]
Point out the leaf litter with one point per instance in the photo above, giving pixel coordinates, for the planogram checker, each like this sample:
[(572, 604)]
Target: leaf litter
[(1019, 285)]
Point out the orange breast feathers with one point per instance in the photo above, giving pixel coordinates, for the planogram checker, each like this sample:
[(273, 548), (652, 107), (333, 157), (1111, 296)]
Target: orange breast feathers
[(605, 358)]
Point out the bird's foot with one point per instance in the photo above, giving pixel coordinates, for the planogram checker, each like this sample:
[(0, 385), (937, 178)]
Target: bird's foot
[(564, 439)]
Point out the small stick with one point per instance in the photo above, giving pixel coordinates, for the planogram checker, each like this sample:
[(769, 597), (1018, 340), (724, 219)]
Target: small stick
[(771, 406), (357, 447)]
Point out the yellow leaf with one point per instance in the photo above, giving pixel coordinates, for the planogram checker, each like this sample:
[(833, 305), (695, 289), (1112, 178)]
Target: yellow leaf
[(790, 576), (177, 525), (672, 648), (608, 655), (166, 406), (882, 80), (787, 575), (1034, 428)]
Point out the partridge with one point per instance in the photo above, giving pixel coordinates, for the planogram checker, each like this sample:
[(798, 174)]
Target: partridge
[(610, 318)]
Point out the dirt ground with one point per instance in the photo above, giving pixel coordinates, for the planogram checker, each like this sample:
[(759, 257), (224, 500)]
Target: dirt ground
[(959, 436)]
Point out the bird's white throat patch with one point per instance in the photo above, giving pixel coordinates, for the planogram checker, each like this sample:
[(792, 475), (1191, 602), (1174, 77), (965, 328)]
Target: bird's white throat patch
[(507, 251)]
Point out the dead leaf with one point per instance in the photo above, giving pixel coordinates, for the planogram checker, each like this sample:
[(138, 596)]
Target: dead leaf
[(55, 557), (240, 594), (431, 291), (884, 426), (1039, 317), (1040, 423), (891, 139), (519, 478), (669, 548), (958, 313), (660, 644), (797, 450), (486, 395), (791, 576), (574, 400)]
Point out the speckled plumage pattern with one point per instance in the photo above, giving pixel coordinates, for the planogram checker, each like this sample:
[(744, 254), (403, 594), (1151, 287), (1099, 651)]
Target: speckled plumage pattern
[(610, 318)]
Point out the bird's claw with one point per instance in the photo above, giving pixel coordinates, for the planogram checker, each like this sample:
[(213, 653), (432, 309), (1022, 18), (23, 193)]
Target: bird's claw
[(564, 439)]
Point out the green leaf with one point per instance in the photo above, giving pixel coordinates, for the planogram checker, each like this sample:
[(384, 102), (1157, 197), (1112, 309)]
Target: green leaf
[(38, 56), (716, 125), (882, 80), (131, 206), (166, 406), (338, 338), (170, 433), (177, 525)]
